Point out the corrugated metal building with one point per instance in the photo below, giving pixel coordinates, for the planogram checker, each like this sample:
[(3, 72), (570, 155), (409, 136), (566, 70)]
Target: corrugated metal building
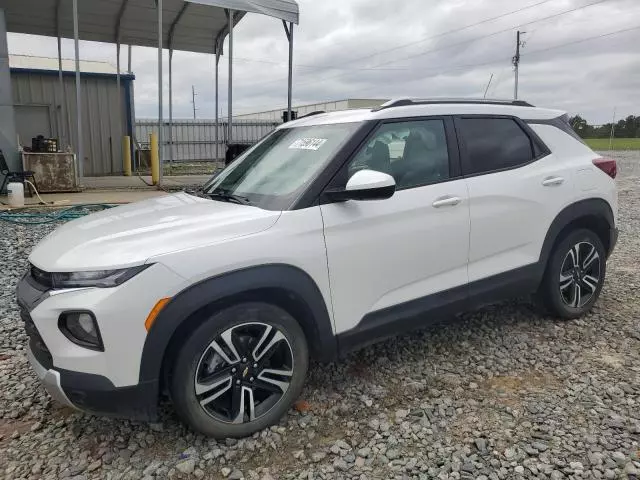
[(195, 140), (38, 106), (276, 115)]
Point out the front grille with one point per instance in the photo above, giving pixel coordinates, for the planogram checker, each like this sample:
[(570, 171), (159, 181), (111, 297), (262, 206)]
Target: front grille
[(38, 347)]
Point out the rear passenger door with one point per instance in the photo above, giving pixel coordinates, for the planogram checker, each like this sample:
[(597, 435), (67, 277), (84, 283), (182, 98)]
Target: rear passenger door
[(516, 188)]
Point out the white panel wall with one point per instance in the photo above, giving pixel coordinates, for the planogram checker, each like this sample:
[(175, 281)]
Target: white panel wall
[(194, 140)]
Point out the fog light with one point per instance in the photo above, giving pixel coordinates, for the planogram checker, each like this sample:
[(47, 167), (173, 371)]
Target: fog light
[(81, 328)]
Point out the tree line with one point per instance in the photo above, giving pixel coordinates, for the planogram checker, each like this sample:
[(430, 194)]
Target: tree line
[(624, 128)]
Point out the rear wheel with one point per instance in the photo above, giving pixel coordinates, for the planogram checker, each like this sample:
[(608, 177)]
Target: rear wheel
[(240, 371), (575, 274)]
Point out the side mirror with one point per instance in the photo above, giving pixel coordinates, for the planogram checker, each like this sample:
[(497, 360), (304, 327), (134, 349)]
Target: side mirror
[(365, 185)]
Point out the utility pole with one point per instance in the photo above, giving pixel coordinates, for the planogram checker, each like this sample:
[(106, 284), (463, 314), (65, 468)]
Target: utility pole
[(516, 62), (193, 100), (613, 128)]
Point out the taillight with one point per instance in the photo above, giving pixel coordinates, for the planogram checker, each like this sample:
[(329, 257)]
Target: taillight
[(607, 165)]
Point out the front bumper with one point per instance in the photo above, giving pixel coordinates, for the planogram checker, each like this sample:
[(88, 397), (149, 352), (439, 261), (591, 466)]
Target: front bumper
[(96, 394), (50, 379), (89, 391)]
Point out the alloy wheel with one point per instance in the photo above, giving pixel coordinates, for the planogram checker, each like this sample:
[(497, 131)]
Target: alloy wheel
[(244, 372), (579, 275)]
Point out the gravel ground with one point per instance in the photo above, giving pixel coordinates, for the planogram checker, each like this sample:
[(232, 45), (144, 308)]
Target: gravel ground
[(500, 393)]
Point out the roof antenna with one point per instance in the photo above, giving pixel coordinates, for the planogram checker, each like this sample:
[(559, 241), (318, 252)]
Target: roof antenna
[(488, 85)]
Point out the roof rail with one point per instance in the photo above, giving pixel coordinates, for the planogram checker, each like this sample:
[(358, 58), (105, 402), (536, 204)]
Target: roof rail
[(404, 102), (317, 112)]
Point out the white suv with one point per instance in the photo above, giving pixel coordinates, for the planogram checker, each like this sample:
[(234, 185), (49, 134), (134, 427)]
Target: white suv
[(334, 231)]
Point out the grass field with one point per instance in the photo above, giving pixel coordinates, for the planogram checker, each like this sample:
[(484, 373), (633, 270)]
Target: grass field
[(617, 144)]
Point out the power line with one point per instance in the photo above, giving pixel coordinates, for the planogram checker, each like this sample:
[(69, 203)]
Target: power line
[(449, 32), (399, 47), (440, 70), (481, 37), (444, 47), (574, 42), (269, 62)]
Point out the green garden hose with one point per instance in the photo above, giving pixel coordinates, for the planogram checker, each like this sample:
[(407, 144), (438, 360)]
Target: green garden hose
[(41, 218)]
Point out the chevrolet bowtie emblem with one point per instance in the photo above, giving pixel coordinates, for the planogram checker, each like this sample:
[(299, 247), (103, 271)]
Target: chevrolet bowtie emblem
[(244, 373)]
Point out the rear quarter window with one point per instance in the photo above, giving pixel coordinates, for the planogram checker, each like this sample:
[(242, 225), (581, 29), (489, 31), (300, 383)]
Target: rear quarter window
[(561, 122), (493, 144)]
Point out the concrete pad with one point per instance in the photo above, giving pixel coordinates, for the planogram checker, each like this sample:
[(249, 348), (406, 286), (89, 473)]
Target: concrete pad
[(89, 196), (135, 182), (112, 190)]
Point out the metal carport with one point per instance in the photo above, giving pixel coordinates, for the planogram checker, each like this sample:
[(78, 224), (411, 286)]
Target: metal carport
[(187, 25)]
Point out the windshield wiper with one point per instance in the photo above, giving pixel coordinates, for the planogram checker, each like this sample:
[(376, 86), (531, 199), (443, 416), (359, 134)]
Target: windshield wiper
[(196, 192), (228, 197)]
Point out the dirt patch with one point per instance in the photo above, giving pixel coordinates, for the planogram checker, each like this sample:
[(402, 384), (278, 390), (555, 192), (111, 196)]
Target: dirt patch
[(512, 391), (7, 427), (609, 359)]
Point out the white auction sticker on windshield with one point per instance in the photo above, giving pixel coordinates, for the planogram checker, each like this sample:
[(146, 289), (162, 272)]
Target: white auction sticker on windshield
[(308, 143)]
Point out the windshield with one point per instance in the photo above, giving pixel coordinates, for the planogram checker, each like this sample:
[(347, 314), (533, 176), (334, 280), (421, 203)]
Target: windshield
[(273, 173)]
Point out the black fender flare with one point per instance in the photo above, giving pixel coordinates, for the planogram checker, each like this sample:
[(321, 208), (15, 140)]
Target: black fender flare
[(294, 281), (592, 207)]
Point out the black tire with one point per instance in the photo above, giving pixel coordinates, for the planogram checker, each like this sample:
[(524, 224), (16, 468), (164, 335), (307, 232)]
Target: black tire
[(195, 359), (558, 298)]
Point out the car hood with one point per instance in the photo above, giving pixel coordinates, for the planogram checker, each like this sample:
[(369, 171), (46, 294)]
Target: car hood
[(130, 234)]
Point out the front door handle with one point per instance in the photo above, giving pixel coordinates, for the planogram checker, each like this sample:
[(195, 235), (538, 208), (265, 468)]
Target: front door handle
[(446, 201), (552, 181)]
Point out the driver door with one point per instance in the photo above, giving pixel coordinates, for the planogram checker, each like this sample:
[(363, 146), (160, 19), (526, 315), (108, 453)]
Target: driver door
[(390, 259)]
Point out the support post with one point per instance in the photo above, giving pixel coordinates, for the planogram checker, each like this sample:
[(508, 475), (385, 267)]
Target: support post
[(217, 145), (119, 94), (8, 137), (230, 94), (289, 32), (63, 100), (155, 158), (170, 108), (65, 127), (133, 126), (160, 118), (80, 148), (126, 155)]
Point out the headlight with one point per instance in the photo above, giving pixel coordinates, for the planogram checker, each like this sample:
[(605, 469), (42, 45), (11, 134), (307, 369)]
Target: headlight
[(96, 278)]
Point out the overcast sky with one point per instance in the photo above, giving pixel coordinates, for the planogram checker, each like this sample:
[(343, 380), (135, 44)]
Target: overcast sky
[(390, 48)]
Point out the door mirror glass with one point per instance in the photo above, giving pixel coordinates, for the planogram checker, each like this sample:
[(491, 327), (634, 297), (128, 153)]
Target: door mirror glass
[(366, 185)]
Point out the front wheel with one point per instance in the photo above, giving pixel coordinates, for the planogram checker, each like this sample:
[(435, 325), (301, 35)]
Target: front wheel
[(575, 275), (240, 371)]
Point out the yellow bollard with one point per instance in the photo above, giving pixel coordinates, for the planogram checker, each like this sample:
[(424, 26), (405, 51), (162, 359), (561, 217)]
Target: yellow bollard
[(126, 155), (155, 159)]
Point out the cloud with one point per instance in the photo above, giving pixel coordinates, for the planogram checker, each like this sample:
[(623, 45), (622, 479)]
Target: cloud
[(386, 48)]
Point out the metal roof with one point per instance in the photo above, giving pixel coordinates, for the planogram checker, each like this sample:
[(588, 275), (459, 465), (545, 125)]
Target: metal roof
[(29, 62), (286, 10), (190, 25)]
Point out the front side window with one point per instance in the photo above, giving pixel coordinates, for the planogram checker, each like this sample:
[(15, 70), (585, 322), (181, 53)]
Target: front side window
[(273, 173), (494, 144), (415, 153)]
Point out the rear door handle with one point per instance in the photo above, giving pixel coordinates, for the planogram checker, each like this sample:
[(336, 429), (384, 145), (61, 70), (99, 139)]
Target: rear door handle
[(446, 201), (552, 181)]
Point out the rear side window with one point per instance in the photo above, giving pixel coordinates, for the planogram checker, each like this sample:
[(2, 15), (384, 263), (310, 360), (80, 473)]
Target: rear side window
[(494, 144), (561, 122)]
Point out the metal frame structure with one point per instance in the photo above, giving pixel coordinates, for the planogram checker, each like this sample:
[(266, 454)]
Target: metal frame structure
[(24, 22)]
